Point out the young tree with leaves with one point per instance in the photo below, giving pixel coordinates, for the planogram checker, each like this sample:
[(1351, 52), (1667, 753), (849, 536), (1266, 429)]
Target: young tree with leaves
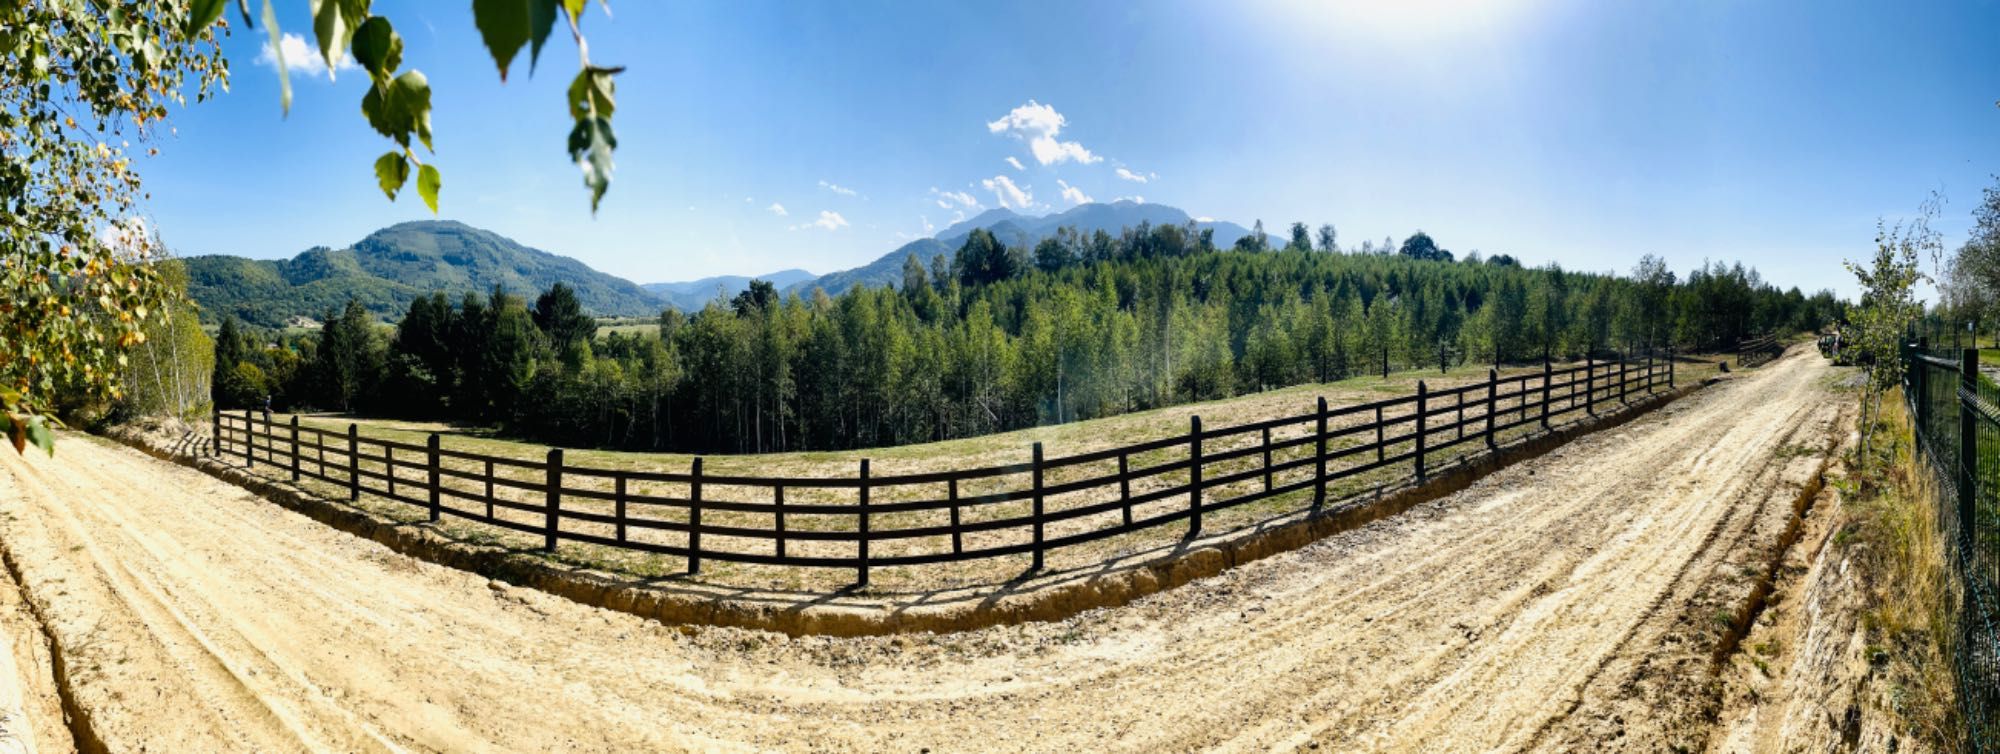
[(1888, 303), (79, 81)]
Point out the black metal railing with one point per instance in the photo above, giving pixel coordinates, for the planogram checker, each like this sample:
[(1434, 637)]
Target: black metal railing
[(1958, 433)]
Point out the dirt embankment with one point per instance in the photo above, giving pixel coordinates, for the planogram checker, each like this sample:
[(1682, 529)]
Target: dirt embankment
[(1529, 611)]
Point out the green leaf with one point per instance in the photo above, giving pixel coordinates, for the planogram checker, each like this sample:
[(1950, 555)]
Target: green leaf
[(202, 14), (334, 21), (575, 8), (278, 54), (378, 48), (541, 19), (428, 183), (504, 25), (590, 93), (590, 146), (414, 94), (40, 435), (391, 170), (401, 107)]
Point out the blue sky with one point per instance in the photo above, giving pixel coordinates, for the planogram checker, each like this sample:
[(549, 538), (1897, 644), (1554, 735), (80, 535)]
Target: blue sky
[(1586, 133)]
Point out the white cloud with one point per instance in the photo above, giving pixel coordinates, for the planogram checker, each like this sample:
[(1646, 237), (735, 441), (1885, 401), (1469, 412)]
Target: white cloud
[(837, 188), (300, 58), (1006, 193), (1016, 163), (777, 209), (1136, 177), (1039, 124), (830, 220), (947, 199), (127, 238), (1072, 194), (1135, 199), (1204, 219)]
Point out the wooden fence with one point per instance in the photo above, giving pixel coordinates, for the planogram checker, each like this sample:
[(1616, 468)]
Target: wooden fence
[(871, 520), (1756, 351)]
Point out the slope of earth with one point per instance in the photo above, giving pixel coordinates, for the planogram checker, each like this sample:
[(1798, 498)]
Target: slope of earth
[(195, 617)]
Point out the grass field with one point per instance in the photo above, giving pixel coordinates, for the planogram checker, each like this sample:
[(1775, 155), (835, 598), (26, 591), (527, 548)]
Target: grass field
[(990, 450)]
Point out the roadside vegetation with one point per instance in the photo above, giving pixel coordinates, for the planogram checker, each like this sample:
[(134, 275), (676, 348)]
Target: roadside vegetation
[(1890, 525)]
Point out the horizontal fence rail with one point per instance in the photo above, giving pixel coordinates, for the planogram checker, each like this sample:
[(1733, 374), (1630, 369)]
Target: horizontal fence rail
[(869, 520), (1957, 430), (1757, 351)]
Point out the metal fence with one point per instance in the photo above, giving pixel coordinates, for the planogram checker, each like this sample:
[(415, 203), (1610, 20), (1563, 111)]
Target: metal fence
[(867, 520), (1958, 433)]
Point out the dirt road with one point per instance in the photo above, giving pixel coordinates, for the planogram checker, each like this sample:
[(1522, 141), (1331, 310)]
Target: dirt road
[(1546, 607)]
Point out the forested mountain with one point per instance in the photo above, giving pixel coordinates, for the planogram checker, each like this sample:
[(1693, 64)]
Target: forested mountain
[(392, 267), (695, 294), (1080, 326), (1015, 229)]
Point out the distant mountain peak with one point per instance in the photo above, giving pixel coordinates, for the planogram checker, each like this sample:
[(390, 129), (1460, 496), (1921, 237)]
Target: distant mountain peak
[(391, 267)]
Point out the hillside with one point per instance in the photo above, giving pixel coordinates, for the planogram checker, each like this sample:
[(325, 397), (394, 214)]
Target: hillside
[(694, 294), (1015, 229), (394, 265)]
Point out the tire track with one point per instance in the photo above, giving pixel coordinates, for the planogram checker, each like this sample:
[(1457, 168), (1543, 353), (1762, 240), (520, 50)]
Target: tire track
[(1480, 621)]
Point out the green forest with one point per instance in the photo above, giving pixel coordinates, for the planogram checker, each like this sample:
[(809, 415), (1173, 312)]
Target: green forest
[(995, 339)]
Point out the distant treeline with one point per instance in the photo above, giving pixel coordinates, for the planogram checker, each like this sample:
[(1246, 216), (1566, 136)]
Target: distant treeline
[(1079, 327)]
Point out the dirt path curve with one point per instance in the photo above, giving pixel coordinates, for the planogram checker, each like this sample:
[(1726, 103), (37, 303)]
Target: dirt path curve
[(197, 618)]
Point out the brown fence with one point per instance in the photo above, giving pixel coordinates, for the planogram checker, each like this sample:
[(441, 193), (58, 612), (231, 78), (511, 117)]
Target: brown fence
[(1756, 351), (867, 520)]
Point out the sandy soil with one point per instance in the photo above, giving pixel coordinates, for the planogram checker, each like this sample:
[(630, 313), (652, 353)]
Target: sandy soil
[(195, 617)]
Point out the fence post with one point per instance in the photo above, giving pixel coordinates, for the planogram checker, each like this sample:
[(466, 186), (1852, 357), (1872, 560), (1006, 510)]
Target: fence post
[(1548, 376), (1194, 476), (958, 535), (1037, 477), (215, 431), (1589, 384), (1319, 452), (694, 517), (249, 439), (1267, 459), (1423, 401), (1124, 484), (1923, 400), (1492, 402), (1670, 366), (861, 578), (618, 504), (552, 504), (353, 462), (489, 489), (432, 468), (295, 448), (778, 500), (1968, 448)]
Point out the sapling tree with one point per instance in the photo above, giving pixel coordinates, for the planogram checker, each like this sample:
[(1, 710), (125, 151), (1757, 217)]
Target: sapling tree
[(82, 80)]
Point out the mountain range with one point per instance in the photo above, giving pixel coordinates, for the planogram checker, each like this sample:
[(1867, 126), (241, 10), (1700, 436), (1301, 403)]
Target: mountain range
[(1015, 229), (394, 265)]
